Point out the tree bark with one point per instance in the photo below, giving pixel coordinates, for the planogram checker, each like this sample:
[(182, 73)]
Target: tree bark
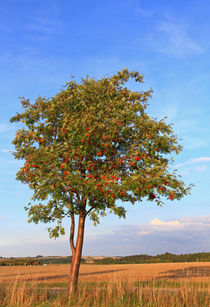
[(71, 241), (76, 253)]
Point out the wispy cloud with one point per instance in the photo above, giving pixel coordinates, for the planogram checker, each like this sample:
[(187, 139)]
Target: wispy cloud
[(1, 218), (201, 159), (193, 161), (143, 12), (176, 224), (42, 27), (4, 150), (178, 235), (174, 40), (161, 223), (182, 235), (200, 168)]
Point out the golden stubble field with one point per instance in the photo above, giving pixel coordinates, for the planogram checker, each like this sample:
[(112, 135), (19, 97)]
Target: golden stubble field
[(54, 273), (133, 285)]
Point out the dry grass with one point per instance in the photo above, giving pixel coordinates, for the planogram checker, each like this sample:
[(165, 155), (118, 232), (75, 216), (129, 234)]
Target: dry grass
[(59, 272), (171, 284)]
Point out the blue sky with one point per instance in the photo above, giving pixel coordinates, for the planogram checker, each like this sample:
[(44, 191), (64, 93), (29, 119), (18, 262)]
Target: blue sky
[(44, 42)]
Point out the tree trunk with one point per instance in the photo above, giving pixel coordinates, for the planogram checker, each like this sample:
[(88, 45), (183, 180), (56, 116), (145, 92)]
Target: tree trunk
[(76, 254)]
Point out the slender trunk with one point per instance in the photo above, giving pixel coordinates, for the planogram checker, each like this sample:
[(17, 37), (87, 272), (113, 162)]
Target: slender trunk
[(72, 238), (76, 255)]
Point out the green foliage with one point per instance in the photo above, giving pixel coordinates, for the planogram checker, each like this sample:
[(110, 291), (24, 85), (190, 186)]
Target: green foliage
[(93, 144), (19, 261), (35, 261), (135, 259), (163, 258)]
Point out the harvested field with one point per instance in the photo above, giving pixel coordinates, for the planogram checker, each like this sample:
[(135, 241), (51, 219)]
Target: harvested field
[(171, 271), (163, 284)]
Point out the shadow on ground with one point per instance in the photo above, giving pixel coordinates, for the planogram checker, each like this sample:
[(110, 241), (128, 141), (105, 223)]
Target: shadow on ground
[(67, 275), (193, 271)]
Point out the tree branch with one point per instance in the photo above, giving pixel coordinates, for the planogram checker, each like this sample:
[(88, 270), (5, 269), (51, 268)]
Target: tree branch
[(72, 234), (87, 212)]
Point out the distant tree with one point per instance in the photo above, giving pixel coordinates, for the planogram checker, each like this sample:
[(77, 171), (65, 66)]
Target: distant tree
[(89, 146)]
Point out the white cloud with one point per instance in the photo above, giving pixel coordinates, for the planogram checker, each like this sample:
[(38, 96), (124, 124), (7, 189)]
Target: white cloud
[(161, 223), (195, 160), (182, 235), (178, 224), (176, 41), (1, 218), (201, 159)]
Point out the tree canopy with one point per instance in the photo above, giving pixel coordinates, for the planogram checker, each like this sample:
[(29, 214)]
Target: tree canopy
[(93, 144)]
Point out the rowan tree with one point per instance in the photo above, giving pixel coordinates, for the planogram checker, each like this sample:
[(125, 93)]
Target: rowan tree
[(87, 147)]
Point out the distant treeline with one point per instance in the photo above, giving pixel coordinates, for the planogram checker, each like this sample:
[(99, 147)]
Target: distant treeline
[(162, 258), (39, 260), (18, 261), (35, 261)]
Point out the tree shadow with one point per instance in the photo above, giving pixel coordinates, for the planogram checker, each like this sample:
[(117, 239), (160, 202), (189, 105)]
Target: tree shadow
[(57, 276), (189, 272), (101, 272)]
